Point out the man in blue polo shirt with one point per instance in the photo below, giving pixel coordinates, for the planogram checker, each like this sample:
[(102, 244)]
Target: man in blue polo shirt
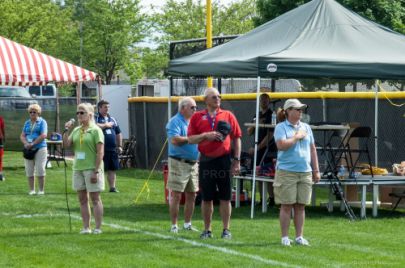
[(183, 166), (112, 142)]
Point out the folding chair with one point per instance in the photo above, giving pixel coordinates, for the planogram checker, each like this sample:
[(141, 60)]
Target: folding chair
[(333, 150), (128, 153), (352, 154), (399, 196)]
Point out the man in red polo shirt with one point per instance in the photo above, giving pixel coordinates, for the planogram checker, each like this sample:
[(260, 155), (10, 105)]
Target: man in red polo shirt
[(214, 130)]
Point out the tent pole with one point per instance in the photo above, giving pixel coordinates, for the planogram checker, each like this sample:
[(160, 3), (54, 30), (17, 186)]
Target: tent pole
[(169, 100), (57, 119), (376, 124), (252, 208), (78, 92), (99, 91), (324, 117)]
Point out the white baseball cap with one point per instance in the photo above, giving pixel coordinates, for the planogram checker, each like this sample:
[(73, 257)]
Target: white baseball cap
[(294, 103)]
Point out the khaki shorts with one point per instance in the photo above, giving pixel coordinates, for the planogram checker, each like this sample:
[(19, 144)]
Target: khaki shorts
[(292, 187), (37, 164), (81, 181), (183, 177)]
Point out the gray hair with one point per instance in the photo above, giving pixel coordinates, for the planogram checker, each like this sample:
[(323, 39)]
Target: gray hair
[(209, 91), (89, 108), (35, 107), (184, 101)]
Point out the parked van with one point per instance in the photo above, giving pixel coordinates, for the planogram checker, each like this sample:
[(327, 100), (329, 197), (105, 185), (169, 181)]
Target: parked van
[(14, 98), (40, 92)]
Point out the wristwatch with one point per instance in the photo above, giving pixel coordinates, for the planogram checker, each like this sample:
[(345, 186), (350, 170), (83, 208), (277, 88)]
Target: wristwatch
[(236, 158)]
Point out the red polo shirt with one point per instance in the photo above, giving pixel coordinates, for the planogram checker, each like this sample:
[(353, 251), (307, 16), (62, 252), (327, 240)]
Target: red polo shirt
[(200, 123)]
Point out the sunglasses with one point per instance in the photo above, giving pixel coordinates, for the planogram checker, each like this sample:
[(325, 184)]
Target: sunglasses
[(80, 112), (216, 97), (193, 108), (33, 112)]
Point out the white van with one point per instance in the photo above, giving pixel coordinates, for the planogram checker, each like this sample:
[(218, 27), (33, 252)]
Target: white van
[(41, 92)]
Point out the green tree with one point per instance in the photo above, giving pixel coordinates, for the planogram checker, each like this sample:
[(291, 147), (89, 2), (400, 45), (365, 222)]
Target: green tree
[(109, 31), (187, 20), (39, 24), (270, 9)]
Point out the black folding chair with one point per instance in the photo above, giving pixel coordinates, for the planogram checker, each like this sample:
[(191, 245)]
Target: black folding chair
[(332, 150), (399, 196), (128, 153), (352, 154)]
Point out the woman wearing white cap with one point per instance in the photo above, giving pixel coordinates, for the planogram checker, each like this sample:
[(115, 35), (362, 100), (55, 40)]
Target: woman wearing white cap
[(297, 169)]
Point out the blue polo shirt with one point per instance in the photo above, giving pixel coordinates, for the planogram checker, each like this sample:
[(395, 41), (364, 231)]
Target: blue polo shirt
[(177, 126), (33, 131), (110, 134), (298, 157)]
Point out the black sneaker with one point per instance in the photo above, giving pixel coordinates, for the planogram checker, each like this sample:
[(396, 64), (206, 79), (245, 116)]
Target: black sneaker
[(2, 178), (226, 234), (114, 190), (206, 234)]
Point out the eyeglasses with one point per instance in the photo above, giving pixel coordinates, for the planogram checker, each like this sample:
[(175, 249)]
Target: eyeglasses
[(80, 112), (193, 108), (216, 97), (33, 112)]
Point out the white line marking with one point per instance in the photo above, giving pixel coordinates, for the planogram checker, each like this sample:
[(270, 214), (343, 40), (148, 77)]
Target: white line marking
[(192, 242)]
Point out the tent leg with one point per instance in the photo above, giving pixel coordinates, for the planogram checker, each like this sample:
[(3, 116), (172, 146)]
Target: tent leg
[(255, 154), (376, 124)]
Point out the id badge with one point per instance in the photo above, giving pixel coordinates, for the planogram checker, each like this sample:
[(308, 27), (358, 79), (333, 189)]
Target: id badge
[(29, 139), (108, 131), (81, 155)]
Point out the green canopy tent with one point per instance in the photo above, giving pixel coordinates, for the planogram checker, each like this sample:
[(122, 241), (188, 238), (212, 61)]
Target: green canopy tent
[(318, 39)]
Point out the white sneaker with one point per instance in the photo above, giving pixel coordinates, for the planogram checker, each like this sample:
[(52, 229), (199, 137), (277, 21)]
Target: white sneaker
[(285, 241), (31, 192), (97, 231), (174, 229), (40, 193), (189, 227), (85, 231), (301, 241)]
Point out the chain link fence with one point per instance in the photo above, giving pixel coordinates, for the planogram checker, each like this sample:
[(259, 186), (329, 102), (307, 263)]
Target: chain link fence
[(148, 119)]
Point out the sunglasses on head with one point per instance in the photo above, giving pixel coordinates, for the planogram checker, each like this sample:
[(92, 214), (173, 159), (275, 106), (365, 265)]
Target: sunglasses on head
[(80, 112)]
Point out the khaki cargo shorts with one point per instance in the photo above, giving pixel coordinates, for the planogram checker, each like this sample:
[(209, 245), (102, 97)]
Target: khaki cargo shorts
[(81, 181), (292, 187), (183, 177)]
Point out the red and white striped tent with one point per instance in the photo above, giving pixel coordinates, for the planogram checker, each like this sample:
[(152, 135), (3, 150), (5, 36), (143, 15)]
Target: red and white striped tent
[(20, 65)]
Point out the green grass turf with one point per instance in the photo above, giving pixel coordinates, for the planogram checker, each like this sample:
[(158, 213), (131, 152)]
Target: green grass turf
[(34, 231)]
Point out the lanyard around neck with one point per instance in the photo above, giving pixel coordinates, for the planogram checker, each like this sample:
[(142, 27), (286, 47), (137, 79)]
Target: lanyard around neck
[(32, 127), (211, 120), (81, 137)]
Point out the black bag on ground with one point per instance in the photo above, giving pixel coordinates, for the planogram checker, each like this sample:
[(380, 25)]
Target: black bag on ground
[(29, 154)]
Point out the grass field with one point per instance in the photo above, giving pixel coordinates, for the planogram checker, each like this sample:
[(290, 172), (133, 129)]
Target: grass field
[(34, 231)]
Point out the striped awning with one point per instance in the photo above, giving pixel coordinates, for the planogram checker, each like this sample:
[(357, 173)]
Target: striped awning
[(20, 65)]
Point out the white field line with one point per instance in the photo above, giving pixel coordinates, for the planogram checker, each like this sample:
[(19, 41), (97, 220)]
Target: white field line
[(162, 236)]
